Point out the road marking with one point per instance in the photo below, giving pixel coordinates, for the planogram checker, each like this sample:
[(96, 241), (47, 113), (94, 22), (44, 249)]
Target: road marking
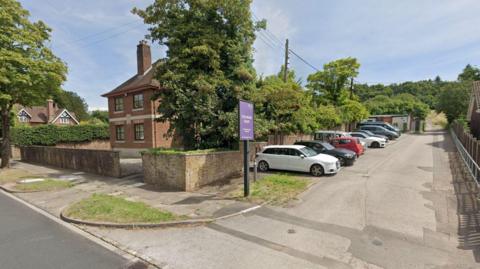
[(323, 261)]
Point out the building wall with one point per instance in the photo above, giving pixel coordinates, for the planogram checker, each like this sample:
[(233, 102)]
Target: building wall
[(475, 121), (154, 132)]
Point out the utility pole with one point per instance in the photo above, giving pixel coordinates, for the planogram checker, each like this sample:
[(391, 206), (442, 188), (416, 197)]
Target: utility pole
[(285, 73), (351, 88)]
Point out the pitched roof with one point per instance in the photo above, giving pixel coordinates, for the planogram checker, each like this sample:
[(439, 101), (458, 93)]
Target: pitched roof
[(38, 114), (60, 112), (137, 82)]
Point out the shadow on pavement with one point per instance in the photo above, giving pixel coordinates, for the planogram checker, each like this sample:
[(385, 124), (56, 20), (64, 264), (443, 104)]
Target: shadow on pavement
[(468, 213)]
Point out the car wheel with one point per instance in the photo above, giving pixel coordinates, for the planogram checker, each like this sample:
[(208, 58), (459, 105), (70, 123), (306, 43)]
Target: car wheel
[(375, 145), (316, 170), (263, 166), (342, 161)]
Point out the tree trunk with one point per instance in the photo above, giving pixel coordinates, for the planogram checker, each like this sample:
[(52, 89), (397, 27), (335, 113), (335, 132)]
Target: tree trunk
[(5, 147)]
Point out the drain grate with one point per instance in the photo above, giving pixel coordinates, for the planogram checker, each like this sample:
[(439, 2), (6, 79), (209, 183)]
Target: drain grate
[(136, 265)]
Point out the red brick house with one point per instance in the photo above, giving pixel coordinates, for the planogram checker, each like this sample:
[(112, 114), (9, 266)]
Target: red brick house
[(49, 114), (133, 114), (473, 115)]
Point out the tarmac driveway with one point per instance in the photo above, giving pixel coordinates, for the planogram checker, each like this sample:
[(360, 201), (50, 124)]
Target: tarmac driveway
[(395, 208)]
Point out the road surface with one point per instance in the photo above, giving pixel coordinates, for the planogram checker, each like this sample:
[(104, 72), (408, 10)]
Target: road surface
[(395, 208), (29, 240)]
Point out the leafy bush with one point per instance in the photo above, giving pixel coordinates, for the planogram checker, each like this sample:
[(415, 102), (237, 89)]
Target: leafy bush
[(50, 135)]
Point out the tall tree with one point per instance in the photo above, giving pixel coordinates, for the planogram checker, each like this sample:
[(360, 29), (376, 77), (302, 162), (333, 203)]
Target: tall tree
[(469, 73), (101, 115), (74, 103), (286, 105), (29, 72), (453, 100), (331, 83), (208, 67)]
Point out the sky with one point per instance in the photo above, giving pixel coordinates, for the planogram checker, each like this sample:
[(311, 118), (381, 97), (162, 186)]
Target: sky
[(393, 40)]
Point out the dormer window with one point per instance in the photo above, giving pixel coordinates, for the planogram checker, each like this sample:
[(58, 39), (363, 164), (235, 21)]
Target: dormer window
[(23, 117), (65, 118)]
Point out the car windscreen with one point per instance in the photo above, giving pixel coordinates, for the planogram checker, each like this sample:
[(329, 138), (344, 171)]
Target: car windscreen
[(308, 152), (328, 146), (368, 132)]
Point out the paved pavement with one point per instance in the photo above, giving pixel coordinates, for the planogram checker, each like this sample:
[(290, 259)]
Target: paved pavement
[(396, 208), (206, 203), (29, 240)]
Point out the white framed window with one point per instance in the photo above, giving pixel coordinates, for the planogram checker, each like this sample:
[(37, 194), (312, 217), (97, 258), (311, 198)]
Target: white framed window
[(64, 118), (23, 117)]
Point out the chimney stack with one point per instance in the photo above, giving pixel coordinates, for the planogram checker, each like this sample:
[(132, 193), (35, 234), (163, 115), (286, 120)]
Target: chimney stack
[(50, 109), (144, 57)]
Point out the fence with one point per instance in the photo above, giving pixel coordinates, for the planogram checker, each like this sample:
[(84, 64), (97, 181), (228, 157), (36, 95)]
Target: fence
[(469, 148)]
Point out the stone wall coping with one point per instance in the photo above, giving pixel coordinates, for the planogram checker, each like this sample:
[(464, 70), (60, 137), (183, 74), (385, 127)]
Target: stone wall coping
[(72, 149), (191, 153)]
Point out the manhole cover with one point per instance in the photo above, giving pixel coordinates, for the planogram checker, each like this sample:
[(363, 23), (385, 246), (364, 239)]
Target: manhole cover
[(291, 231), (377, 242)]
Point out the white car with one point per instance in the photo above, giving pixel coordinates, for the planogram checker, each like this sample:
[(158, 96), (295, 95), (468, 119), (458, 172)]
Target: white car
[(296, 158), (370, 141)]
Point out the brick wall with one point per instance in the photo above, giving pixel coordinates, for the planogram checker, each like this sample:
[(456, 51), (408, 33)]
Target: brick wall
[(96, 145), (101, 162), (287, 139), (189, 172)]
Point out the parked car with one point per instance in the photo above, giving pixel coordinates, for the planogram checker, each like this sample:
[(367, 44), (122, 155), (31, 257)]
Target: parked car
[(372, 134), (327, 136), (380, 131), (385, 125), (345, 156), (296, 158), (371, 141), (350, 143)]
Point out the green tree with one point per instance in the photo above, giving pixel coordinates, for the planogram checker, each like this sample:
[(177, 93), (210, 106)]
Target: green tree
[(399, 104), (101, 115), (285, 105), (208, 66), (327, 117), (331, 82), (353, 111), (73, 103), (29, 72), (453, 100), (469, 73)]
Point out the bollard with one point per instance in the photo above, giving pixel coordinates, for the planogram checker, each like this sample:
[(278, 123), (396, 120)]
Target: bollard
[(255, 171)]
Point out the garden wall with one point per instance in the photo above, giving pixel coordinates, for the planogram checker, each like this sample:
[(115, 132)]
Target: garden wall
[(95, 144), (100, 162), (190, 171)]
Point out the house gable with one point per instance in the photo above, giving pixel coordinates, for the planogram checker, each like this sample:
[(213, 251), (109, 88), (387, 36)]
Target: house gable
[(63, 116)]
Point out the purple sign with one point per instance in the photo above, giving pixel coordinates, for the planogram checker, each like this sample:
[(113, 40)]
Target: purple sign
[(246, 120)]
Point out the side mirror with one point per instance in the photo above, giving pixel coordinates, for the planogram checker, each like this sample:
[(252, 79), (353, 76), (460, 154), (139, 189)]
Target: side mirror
[(302, 156)]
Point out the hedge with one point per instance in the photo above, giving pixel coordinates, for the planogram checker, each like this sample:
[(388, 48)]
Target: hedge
[(50, 135)]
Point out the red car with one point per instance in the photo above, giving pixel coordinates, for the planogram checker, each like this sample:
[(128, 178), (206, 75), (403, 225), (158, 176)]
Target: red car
[(351, 143)]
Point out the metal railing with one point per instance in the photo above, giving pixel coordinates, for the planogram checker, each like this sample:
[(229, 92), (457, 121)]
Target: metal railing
[(469, 161)]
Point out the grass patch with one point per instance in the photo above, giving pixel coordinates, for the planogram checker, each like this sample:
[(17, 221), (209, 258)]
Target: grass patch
[(46, 185), (437, 119), (11, 175), (158, 151), (277, 189), (107, 208)]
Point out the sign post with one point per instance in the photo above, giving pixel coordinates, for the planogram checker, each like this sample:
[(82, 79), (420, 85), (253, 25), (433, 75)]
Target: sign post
[(246, 133)]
